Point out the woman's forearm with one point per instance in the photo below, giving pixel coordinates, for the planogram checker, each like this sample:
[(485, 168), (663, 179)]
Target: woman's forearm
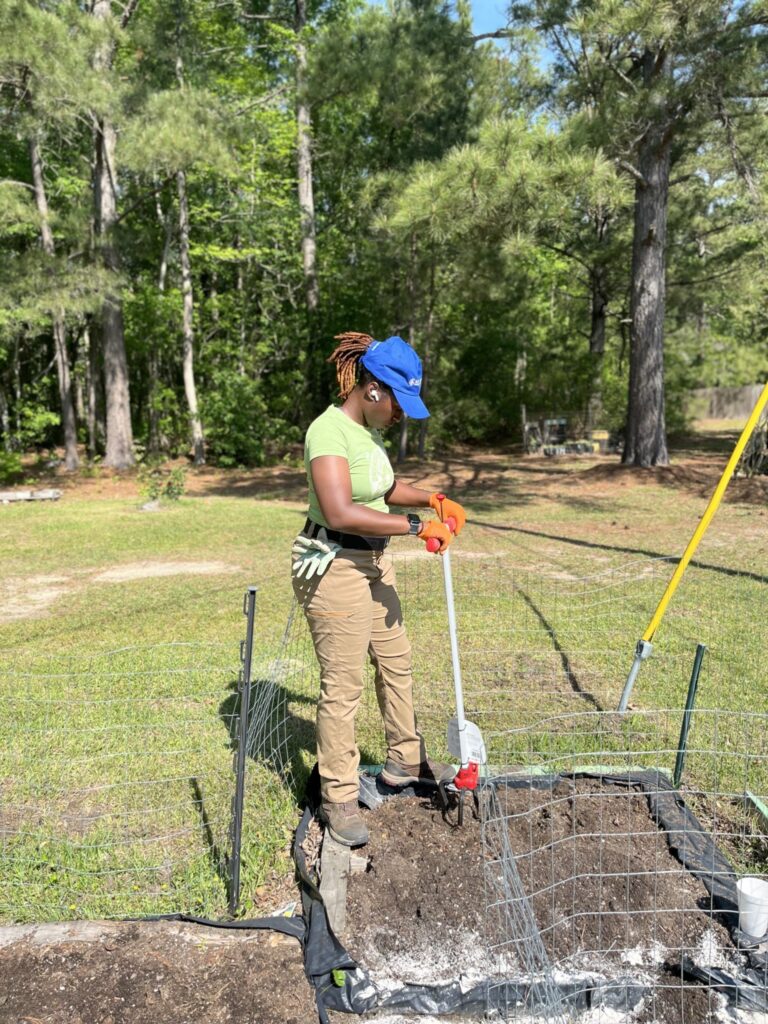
[(406, 496), (366, 522)]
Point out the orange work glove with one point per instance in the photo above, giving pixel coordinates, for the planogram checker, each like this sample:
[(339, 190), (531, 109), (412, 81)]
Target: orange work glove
[(447, 509), (433, 530)]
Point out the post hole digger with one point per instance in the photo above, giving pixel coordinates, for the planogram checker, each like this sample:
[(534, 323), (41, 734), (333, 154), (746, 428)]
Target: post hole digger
[(465, 742)]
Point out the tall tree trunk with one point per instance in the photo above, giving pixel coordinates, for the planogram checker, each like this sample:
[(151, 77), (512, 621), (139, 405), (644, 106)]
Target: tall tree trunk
[(78, 378), (240, 287), (17, 390), (427, 353), (402, 444), (96, 427), (598, 311), (156, 441), (646, 437), (5, 420), (304, 159), (190, 389), (119, 453), (68, 419), (402, 448)]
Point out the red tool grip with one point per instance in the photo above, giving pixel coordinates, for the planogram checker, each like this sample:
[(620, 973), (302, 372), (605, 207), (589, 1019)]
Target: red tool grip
[(467, 776), (433, 544)]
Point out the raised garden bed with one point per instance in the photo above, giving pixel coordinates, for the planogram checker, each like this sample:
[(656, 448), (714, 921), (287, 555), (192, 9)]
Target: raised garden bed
[(615, 908)]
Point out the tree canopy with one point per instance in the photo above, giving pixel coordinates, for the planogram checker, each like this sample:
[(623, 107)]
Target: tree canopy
[(196, 196)]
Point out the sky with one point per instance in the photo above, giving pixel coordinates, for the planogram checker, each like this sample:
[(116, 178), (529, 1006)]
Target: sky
[(487, 15)]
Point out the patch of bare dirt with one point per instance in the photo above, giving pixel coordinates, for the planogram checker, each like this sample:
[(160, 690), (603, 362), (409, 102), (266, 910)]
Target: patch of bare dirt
[(696, 474), (153, 570), (420, 904), (696, 465), (263, 482), (680, 1004), (155, 973), (599, 871), (606, 893), (24, 596)]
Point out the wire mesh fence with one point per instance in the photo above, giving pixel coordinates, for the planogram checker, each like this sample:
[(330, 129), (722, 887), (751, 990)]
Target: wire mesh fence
[(116, 782), (536, 639), (116, 768), (587, 905)]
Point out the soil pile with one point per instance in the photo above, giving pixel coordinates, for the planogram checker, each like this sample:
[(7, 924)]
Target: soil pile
[(607, 895), (600, 875), (417, 914)]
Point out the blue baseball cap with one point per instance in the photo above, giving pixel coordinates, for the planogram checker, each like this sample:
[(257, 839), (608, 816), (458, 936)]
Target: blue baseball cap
[(395, 364)]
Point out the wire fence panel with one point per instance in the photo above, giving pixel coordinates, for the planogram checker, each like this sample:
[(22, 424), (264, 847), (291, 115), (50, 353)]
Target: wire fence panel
[(116, 768), (116, 782), (587, 904)]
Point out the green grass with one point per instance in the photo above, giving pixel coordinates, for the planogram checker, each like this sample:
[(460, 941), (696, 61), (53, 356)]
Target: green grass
[(118, 699)]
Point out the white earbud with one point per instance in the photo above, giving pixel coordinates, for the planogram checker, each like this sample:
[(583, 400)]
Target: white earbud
[(375, 396)]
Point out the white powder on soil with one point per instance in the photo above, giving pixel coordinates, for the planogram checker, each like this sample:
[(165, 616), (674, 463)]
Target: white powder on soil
[(466, 959), (462, 957)]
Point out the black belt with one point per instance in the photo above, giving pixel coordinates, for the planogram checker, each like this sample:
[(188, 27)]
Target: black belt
[(347, 540)]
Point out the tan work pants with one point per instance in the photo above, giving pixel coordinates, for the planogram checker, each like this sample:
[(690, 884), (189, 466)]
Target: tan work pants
[(353, 609)]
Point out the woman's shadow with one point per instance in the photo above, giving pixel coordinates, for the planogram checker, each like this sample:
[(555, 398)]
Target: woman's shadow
[(279, 738)]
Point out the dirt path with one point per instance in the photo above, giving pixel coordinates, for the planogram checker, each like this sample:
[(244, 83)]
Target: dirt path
[(696, 466), (24, 596), (157, 972)]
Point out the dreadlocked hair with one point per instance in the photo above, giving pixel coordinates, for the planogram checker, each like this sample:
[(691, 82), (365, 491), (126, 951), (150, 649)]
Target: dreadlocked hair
[(346, 356)]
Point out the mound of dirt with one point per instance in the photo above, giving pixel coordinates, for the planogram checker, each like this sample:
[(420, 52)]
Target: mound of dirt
[(600, 875), (418, 911), (697, 475), (607, 895)]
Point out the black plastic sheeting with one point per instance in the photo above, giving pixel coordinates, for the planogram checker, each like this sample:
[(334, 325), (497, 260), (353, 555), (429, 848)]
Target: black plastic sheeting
[(689, 843), (293, 926), (340, 983)]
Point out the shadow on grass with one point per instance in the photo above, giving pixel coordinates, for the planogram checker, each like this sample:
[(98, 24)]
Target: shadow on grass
[(278, 738), (218, 857), (570, 675), (710, 442), (672, 559)]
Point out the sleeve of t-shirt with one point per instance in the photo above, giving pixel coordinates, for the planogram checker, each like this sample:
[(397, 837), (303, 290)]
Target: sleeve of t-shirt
[(325, 437)]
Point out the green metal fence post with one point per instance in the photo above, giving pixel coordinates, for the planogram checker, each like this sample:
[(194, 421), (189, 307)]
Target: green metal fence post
[(689, 702), (246, 655)]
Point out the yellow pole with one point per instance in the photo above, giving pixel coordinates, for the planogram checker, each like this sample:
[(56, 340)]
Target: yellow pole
[(705, 520), (644, 646)]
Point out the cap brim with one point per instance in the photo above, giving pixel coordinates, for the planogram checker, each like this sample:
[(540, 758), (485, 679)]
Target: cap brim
[(411, 405)]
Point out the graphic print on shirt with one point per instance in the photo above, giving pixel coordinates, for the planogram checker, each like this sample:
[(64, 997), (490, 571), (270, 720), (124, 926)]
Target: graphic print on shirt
[(381, 476)]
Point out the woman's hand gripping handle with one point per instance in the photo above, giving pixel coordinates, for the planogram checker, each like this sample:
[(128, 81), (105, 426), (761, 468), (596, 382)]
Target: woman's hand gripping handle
[(439, 535)]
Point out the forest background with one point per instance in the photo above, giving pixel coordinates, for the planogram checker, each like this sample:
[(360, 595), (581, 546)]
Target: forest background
[(566, 217)]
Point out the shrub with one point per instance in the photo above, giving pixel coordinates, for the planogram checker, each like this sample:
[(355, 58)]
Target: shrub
[(157, 484), (10, 467)]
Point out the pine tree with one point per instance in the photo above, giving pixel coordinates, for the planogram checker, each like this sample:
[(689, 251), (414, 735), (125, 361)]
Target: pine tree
[(645, 80)]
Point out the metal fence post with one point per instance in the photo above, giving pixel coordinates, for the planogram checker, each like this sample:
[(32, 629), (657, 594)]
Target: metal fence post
[(244, 690), (682, 743)]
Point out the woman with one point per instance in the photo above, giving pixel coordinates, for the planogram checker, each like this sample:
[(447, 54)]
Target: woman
[(344, 580)]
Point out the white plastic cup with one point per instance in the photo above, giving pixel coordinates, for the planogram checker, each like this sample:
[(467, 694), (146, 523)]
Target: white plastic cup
[(753, 905)]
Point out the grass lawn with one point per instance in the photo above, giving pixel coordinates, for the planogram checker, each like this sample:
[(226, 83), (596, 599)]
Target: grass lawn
[(120, 633)]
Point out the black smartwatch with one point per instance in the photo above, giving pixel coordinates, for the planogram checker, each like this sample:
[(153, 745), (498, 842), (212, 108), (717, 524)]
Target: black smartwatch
[(414, 524)]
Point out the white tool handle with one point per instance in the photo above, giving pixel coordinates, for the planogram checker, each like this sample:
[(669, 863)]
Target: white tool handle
[(461, 722)]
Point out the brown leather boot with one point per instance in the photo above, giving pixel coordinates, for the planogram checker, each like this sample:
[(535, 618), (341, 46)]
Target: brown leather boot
[(428, 773), (344, 822)]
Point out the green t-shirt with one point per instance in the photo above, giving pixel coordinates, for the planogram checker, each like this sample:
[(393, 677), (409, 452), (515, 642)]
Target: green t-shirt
[(334, 433)]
